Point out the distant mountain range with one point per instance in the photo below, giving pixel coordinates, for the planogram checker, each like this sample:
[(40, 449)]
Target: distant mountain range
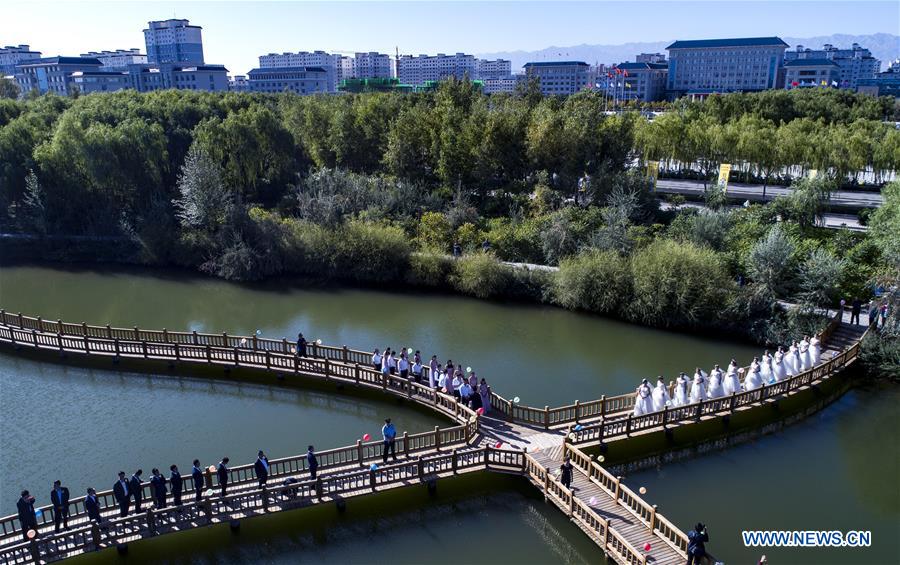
[(884, 46)]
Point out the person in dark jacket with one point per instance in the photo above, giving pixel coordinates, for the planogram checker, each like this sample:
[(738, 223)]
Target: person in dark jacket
[(92, 505), (262, 468), (312, 462), (301, 345), (158, 488), (59, 498), (566, 472), (135, 485), (177, 483), (122, 491), (696, 548), (197, 476), (855, 311), (27, 517), (222, 472)]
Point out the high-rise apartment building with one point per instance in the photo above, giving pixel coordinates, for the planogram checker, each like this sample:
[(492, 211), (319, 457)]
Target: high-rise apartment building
[(498, 69), (855, 64), (173, 41), (371, 65), (12, 55), (417, 70), (701, 67), (318, 59)]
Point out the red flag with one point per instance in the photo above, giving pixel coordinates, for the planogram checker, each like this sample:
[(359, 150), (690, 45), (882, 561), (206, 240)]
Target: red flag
[(609, 75), (618, 71), (625, 72), (795, 83)]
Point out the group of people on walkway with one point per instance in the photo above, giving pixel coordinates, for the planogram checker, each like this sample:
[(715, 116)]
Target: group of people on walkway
[(768, 369), (447, 378), (129, 491)]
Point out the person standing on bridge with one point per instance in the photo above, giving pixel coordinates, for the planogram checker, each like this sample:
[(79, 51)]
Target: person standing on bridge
[(403, 365), (27, 517), (566, 472), (262, 468), (643, 401), (197, 476), (301, 345), (122, 491), (698, 388), (177, 484), (660, 395), (222, 472), (158, 488), (59, 498), (485, 392), (855, 310), (311, 462), (465, 393), (92, 506), (696, 549), (417, 369), (732, 382), (715, 383), (135, 485), (389, 434), (434, 372), (815, 350), (680, 393), (376, 360)]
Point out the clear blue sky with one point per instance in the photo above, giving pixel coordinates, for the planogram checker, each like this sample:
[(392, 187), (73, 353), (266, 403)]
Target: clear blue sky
[(236, 33)]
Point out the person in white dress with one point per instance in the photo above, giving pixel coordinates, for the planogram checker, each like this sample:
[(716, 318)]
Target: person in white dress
[(815, 350), (753, 380), (643, 403), (805, 357), (680, 393), (791, 360), (660, 395), (732, 383), (778, 365), (765, 367), (698, 389), (716, 390)]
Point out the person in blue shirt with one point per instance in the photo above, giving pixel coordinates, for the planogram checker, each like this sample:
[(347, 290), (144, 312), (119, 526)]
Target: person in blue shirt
[(696, 548), (389, 433)]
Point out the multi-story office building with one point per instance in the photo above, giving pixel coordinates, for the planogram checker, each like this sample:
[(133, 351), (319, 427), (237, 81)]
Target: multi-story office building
[(174, 41), (503, 84), (210, 78), (299, 80), (238, 83), (318, 59), (52, 74), (118, 60), (701, 67), (650, 58), (855, 64), (371, 65), (499, 69), (344, 69), (88, 82), (884, 84), (559, 77), (12, 55), (811, 73), (645, 82), (417, 70)]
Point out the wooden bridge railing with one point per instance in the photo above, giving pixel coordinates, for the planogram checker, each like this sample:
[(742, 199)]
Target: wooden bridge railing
[(606, 429), (240, 476), (335, 356)]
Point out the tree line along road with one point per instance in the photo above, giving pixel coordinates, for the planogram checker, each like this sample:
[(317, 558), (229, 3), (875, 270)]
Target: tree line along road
[(754, 192)]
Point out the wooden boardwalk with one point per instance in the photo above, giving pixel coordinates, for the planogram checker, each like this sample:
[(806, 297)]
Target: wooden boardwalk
[(511, 438)]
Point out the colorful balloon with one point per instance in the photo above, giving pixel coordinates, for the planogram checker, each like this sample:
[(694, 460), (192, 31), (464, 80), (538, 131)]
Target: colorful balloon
[(480, 411), (578, 428), (499, 444), (592, 501), (38, 512), (366, 437), (373, 467), (646, 547), (258, 332)]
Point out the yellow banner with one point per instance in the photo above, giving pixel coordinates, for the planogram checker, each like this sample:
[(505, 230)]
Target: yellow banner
[(653, 172), (724, 172)]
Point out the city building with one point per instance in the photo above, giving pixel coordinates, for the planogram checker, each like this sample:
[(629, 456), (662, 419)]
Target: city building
[(12, 55), (884, 84), (173, 41), (559, 77), (811, 73), (118, 60), (421, 69), (319, 59), (52, 74), (502, 84), (498, 69), (100, 81), (238, 83), (210, 78), (650, 58), (299, 80), (645, 82), (855, 63), (371, 65), (357, 85), (344, 69), (701, 67)]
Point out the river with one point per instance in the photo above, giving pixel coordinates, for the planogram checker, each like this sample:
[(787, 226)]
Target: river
[(83, 425)]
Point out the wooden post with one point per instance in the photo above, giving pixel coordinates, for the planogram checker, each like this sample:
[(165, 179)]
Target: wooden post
[(372, 479), (34, 338), (84, 331), (254, 342), (602, 405), (319, 488), (618, 488), (406, 444), (284, 346), (421, 468), (165, 335), (546, 480), (33, 545), (235, 356), (546, 417), (327, 369), (265, 498), (108, 329), (208, 354), (628, 424), (59, 344), (194, 337), (699, 410), (652, 517), (268, 360), (359, 453), (177, 352), (315, 349), (384, 380), (137, 334), (356, 373), (665, 416), (733, 400), (87, 345), (40, 323), (577, 409), (224, 339), (453, 460), (437, 438), (344, 353), (151, 523), (95, 535), (487, 456), (21, 321)]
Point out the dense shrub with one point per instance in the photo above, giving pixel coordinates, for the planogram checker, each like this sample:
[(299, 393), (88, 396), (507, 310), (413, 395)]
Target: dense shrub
[(371, 253), (429, 268), (678, 284), (597, 281), (480, 274)]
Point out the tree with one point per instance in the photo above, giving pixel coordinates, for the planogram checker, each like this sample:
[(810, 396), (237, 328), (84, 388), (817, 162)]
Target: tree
[(884, 228), (33, 213), (819, 279), (770, 263), (8, 88), (203, 200)]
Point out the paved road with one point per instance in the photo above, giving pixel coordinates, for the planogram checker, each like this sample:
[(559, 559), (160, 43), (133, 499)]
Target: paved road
[(834, 221), (753, 192)]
